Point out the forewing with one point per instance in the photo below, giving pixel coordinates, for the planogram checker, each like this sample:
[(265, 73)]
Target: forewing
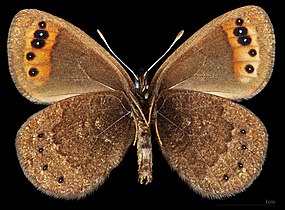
[(50, 59), (232, 56), (68, 149)]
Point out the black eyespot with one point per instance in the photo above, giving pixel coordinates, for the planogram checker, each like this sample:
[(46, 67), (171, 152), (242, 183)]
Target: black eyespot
[(226, 178), (244, 40), (42, 24), (41, 135), (45, 167), (242, 131), (33, 72), (30, 56), (240, 165), (249, 68), (41, 150), (243, 147), (60, 179), (41, 34), (252, 52), (239, 21), (240, 31), (38, 43)]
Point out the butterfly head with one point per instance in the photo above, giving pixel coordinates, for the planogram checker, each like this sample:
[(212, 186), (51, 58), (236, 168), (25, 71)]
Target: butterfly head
[(142, 83)]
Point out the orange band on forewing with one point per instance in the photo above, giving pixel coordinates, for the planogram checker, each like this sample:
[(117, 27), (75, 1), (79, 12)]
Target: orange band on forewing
[(234, 41), (43, 75), (41, 56), (241, 53)]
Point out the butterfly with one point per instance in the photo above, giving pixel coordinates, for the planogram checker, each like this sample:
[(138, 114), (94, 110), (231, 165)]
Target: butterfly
[(97, 110)]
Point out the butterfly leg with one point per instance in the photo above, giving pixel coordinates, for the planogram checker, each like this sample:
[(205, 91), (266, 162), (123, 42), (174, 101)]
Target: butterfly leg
[(157, 133), (144, 153), (137, 129)]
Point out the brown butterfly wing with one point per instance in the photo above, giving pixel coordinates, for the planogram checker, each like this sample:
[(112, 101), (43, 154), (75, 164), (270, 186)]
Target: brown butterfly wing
[(218, 147), (232, 56), (50, 59), (68, 149)]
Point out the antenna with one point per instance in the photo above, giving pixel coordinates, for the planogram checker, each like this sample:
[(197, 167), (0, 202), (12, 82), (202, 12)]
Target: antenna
[(106, 43), (179, 35)]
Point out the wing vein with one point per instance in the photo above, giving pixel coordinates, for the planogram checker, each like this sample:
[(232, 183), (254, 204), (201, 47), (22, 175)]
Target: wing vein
[(113, 124)]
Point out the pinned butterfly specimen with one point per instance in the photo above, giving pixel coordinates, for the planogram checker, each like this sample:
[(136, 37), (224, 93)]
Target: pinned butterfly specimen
[(97, 111)]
